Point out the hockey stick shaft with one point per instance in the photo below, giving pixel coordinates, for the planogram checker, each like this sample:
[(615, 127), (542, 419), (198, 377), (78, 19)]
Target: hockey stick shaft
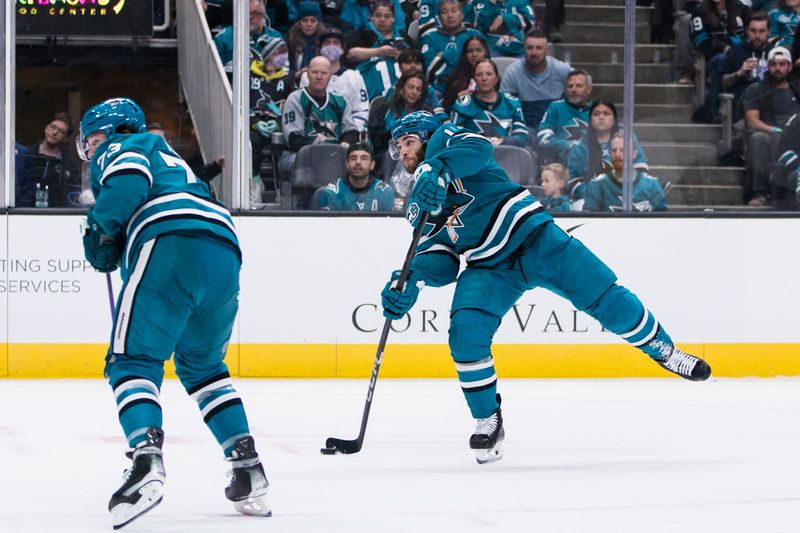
[(110, 294), (345, 446)]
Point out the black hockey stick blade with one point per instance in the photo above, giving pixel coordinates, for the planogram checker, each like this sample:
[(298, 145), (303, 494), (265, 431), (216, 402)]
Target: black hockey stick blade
[(342, 446)]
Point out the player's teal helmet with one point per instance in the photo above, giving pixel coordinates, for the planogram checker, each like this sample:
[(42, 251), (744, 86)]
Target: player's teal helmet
[(109, 116), (419, 123)]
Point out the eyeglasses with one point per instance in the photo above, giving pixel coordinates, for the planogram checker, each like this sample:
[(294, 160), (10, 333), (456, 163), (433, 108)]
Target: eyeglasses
[(56, 129), (258, 15)]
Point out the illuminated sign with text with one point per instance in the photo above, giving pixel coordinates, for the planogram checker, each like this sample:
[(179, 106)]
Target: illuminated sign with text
[(84, 17)]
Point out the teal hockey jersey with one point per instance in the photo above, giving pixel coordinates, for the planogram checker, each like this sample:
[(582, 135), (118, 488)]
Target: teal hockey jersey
[(441, 52), (341, 196), (562, 126), (517, 16), (604, 193), (782, 25), (485, 216), (578, 160), (501, 118), (143, 189)]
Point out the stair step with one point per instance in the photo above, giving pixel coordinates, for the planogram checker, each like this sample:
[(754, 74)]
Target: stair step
[(614, 72), (603, 13), (606, 33), (698, 176), (705, 194), (681, 154), (663, 113), (610, 53), (646, 93), (691, 133)]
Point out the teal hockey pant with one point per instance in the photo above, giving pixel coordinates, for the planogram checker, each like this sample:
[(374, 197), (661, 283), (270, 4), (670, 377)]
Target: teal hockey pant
[(181, 297), (555, 261)]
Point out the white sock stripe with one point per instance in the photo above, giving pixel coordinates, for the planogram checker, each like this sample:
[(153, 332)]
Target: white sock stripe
[(232, 440), (134, 384), (487, 362), (219, 384), (479, 383), (638, 328), (232, 395), (649, 336), (136, 433), (138, 396)]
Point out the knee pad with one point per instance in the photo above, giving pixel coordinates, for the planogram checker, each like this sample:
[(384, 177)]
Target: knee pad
[(470, 335)]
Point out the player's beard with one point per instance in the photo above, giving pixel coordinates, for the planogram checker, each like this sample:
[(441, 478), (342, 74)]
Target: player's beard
[(412, 162)]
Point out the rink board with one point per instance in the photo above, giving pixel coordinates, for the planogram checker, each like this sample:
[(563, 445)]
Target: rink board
[(309, 306)]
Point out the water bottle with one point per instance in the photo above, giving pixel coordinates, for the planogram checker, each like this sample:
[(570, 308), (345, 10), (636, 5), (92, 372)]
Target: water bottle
[(39, 197), (754, 71), (46, 196)]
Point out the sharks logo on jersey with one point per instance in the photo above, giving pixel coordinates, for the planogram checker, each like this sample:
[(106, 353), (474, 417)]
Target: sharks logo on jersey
[(575, 129), (502, 118), (448, 217)]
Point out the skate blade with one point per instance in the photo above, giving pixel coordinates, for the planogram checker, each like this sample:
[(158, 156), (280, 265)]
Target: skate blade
[(125, 513), (491, 455), (254, 506)]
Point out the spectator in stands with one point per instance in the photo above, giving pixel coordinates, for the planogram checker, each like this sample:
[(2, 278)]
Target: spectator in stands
[(566, 120), (259, 30), (783, 22), (788, 165), (504, 23), (303, 37), (408, 96), (51, 167), (767, 106), (345, 82), (411, 59), (359, 190), (554, 183), (586, 158), (604, 192), (441, 48), (745, 63), (461, 82), (315, 115), (357, 15), (24, 187), (536, 80), (715, 26), (269, 74), (495, 115), (374, 50)]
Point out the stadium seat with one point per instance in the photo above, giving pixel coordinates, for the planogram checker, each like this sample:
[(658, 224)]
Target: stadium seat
[(503, 63), (316, 165), (517, 162), (313, 205)]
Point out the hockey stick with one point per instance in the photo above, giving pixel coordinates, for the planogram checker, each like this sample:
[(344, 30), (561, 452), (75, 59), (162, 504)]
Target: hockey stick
[(332, 444)]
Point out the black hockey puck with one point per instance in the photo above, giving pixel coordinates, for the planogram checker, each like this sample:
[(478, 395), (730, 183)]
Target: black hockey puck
[(327, 451)]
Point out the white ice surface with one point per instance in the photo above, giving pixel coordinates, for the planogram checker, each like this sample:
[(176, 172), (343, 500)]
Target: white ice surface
[(657, 455)]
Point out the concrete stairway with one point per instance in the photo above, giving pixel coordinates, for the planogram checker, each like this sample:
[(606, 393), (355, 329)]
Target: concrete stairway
[(678, 151)]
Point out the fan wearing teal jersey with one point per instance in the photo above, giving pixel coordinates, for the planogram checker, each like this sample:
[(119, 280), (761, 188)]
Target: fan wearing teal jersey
[(604, 192), (180, 262), (495, 115), (504, 22), (510, 245), (565, 121), (359, 189), (441, 48)]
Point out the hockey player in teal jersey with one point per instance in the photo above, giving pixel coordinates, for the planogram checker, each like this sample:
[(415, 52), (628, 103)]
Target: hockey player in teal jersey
[(359, 189), (180, 260), (495, 115), (604, 192), (510, 245), (441, 48)]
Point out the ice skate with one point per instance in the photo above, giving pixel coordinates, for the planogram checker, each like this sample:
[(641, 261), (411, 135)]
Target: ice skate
[(487, 441), (248, 486), (143, 483), (687, 366)]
